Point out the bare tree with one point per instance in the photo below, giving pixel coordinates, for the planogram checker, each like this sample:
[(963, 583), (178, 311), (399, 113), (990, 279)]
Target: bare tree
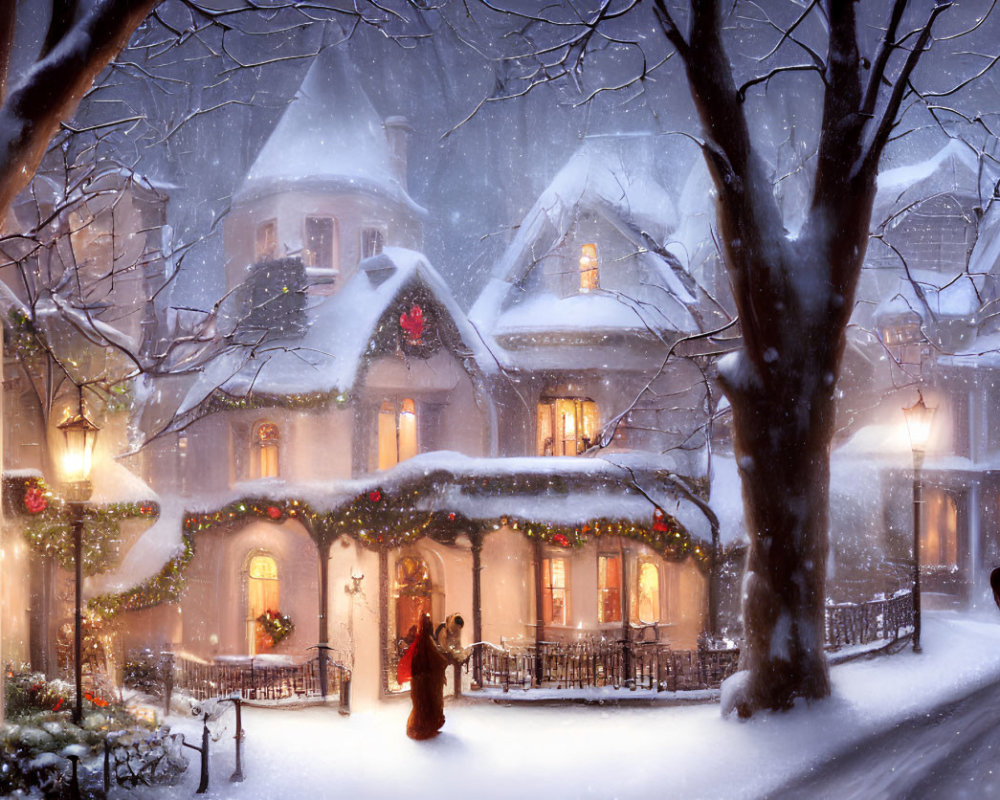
[(794, 293)]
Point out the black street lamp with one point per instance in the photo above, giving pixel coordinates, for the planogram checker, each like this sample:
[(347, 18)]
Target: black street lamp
[(918, 425), (80, 435)]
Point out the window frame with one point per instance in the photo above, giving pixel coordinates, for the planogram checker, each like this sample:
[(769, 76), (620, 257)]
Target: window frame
[(551, 591), (586, 420), (311, 255), (605, 591)]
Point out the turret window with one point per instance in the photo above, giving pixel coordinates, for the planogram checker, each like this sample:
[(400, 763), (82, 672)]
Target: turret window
[(267, 439), (372, 241), (266, 247), (397, 432), (321, 243)]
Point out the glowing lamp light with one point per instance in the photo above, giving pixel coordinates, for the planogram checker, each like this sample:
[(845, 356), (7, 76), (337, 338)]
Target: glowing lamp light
[(919, 418), (80, 436)]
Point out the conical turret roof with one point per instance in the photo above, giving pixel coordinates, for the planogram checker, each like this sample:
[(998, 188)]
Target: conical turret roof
[(329, 135)]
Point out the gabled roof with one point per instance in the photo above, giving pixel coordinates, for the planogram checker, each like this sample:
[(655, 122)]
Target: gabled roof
[(329, 358), (595, 179), (329, 136)]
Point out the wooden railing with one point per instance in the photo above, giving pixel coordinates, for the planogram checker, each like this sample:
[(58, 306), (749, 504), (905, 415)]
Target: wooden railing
[(254, 680), (596, 663), (850, 624)]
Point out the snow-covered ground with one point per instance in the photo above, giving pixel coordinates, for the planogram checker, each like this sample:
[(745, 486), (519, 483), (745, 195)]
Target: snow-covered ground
[(488, 750)]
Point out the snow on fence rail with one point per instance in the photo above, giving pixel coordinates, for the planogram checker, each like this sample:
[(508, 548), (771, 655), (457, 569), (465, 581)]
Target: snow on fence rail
[(862, 623), (254, 680), (595, 663)]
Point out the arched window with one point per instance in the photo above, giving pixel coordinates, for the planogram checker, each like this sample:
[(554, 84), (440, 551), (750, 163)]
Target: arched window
[(648, 591), (413, 597), (262, 595), (267, 438)]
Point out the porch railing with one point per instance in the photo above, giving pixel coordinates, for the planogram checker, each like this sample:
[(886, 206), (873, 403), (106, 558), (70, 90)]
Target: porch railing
[(256, 680), (596, 663), (605, 663), (884, 619)]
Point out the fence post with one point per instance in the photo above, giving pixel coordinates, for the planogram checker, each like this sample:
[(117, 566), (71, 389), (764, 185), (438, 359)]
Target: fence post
[(345, 692), (167, 676), (203, 785)]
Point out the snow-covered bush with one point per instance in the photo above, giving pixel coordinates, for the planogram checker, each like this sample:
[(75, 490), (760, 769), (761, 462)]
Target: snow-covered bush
[(40, 739)]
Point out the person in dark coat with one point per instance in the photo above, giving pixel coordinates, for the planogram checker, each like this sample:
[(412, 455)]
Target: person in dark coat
[(995, 585), (424, 666)]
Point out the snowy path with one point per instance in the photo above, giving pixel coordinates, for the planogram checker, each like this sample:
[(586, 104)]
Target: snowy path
[(492, 752), (953, 752)]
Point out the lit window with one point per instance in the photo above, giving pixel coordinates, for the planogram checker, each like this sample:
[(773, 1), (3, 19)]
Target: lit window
[(554, 591), (566, 425), (588, 267), (647, 607), (267, 240), (267, 443), (321, 243), (609, 588), (397, 432), (372, 241), (939, 530), (413, 596), (262, 595)]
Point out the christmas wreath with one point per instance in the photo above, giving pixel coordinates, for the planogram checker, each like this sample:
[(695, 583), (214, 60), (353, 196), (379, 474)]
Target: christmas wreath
[(276, 625)]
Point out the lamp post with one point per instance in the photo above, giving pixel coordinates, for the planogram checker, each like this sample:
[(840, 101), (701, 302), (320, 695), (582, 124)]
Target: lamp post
[(918, 425), (80, 435)]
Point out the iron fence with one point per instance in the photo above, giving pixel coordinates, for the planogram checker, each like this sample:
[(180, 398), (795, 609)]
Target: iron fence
[(599, 662), (253, 680)]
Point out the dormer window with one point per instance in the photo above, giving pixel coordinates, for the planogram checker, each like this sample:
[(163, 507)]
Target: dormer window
[(567, 426), (320, 243), (588, 267), (266, 246), (372, 241)]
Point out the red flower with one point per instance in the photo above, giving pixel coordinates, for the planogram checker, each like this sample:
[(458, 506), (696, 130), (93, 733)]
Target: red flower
[(34, 500), (273, 512), (375, 495), (561, 540), (451, 516), (658, 522), (58, 704)]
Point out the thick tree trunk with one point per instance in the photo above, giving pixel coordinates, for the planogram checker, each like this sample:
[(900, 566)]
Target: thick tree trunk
[(782, 446)]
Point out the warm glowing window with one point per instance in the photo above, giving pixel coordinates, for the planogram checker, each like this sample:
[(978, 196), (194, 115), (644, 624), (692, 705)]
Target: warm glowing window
[(266, 247), (262, 595), (321, 242), (588, 267), (413, 595), (609, 588), (939, 530), (397, 432), (566, 425), (647, 600), (372, 241), (267, 445), (554, 591)]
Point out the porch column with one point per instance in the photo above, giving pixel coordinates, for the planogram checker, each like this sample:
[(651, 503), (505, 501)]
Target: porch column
[(323, 547), (383, 618), (539, 609), (476, 538)]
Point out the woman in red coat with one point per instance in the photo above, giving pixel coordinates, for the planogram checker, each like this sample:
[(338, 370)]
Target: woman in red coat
[(424, 666)]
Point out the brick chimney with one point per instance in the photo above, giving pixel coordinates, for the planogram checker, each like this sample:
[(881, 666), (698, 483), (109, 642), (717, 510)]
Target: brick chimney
[(397, 131)]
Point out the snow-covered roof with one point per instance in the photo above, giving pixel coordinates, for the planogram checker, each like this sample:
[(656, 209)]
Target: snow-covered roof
[(944, 295), (954, 168), (330, 135), (328, 358), (593, 180)]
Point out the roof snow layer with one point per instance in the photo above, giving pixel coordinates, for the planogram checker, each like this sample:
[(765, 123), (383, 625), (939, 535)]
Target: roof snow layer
[(329, 357), (639, 208), (329, 134)]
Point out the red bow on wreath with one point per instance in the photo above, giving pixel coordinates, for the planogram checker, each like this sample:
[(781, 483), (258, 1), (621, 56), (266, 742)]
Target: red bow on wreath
[(413, 324)]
